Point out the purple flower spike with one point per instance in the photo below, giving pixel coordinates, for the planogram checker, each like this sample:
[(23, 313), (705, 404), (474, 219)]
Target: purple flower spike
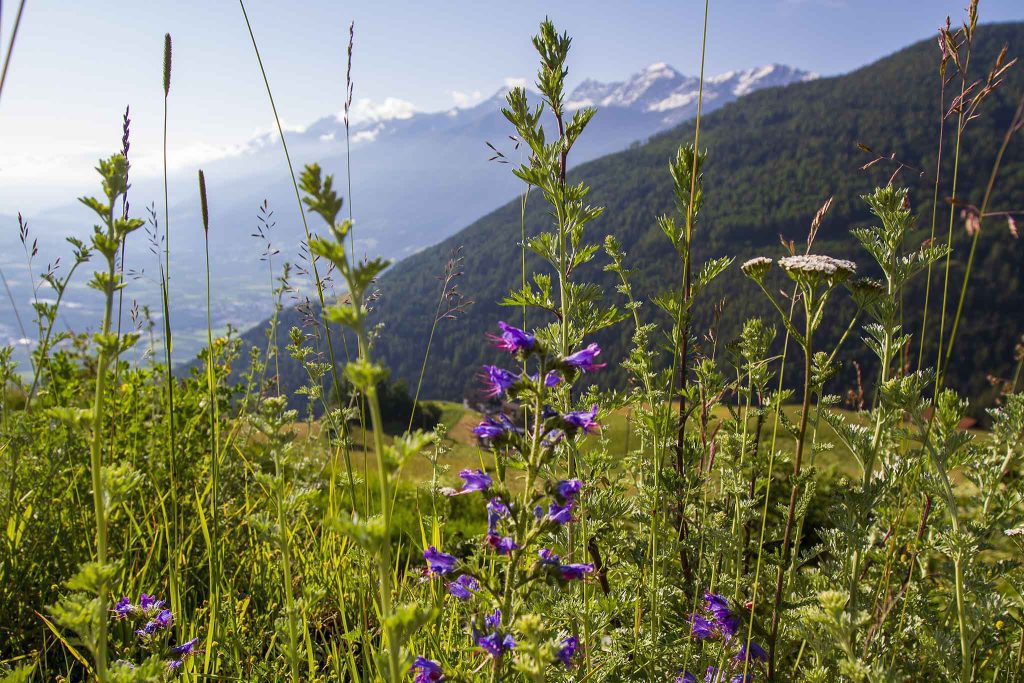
[(755, 653), (493, 620), (174, 664), (122, 608), (186, 649), (494, 644), (567, 489), (560, 514), (503, 545), (427, 670), (573, 572), (512, 339), (497, 380), (475, 480), (702, 628), (568, 649), (583, 359), (463, 587), (552, 379), (583, 419), (687, 677), (740, 678), (438, 563)]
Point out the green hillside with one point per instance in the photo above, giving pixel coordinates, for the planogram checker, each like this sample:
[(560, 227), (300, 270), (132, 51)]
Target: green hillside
[(774, 157)]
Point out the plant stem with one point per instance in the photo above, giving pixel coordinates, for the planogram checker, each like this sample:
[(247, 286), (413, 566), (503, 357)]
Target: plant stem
[(794, 493)]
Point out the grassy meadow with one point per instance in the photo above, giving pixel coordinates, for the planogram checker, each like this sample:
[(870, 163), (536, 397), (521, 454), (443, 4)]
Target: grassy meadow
[(708, 502)]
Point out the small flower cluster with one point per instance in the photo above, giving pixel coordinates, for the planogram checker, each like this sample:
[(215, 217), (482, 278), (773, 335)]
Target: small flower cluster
[(511, 529), (817, 267), (154, 623), (717, 619)]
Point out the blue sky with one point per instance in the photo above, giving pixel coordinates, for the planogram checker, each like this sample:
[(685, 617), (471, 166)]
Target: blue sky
[(77, 64)]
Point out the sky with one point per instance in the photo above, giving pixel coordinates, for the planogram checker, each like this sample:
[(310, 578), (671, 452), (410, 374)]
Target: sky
[(77, 63)]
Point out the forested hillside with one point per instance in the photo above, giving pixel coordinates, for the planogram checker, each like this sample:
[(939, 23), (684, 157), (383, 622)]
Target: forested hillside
[(774, 158)]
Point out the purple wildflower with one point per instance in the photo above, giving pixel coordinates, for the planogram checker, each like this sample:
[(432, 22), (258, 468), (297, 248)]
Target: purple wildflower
[(185, 649), (489, 428), (463, 587), (552, 438), (174, 664), (552, 379), (716, 604), (497, 380), (547, 556), (475, 480), (427, 670), (756, 653), (512, 339), (687, 677), (583, 419), (494, 644), (164, 619), (496, 511), (584, 359), (568, 488), (122, 608), (572, 572), (503, 545), (560, 514), (741, 678), (701, 627), (149, 602), (568, 649), (728, 624), (493, 620), (438, 563)]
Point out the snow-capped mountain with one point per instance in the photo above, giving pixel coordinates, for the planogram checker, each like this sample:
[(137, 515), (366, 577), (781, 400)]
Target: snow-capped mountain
[(417, 177), (660, 89)]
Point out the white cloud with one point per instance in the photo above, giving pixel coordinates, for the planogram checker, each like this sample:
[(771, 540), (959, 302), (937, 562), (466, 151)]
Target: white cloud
[(390, 108), (515, 82), (463, 100), (368, 135)]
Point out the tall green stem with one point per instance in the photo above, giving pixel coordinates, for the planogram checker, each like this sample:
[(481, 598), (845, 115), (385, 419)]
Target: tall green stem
[(794, 493)]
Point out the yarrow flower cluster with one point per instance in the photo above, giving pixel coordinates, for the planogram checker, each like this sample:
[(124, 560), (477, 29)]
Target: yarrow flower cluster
[(816, 267), (511, 530), (757, 268), (154, 623)]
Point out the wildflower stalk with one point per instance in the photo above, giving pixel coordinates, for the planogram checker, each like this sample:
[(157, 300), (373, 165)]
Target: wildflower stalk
[(1015, 126), (10, 45), (165, 284), (794, 494), (956, 174), (318, 282), (935, 208), (214, 414), (365, 375), (106, 240)]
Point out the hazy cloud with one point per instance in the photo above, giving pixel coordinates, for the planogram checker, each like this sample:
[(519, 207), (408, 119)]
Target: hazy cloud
[(462, 99), (390, 108)]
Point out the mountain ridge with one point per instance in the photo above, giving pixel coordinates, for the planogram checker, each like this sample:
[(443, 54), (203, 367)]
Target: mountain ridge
[(775, 155)]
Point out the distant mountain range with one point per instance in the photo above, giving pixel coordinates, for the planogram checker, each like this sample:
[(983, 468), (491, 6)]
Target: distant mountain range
[(416, 179), (774, 157)]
